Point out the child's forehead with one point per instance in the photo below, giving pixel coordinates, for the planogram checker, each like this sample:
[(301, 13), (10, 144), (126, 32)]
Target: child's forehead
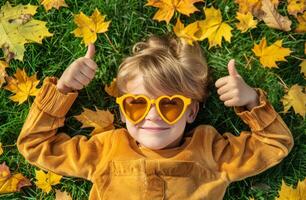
[(136, 86)]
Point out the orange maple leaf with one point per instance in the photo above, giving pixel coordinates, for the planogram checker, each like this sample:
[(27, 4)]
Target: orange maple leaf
[(296, 6), (188, 33), (213, 28), (112, 89), (101, 120), (89, 27), (301, 28), (11, 183), (268, 55), (48, 4), (22, 85), (287, 192), (168, 7)]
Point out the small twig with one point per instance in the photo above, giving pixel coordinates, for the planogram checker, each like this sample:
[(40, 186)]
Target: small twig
[(9, 145), (110, 42), (281, 80)]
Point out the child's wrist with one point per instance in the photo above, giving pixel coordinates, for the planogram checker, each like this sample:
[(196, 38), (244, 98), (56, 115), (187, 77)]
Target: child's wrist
[(254, 102), (63, 89)]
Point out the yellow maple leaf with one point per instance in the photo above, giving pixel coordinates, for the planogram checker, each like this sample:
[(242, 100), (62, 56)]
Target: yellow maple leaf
[(272, 18), (46, 180), (295, 98), (59, 195), (18, 28), (88, 27), (301, 28), (246, 22), (11, 183), (296, 6), (269, 55), (23, 85), (168, 7), (3, 74), (188, 33), (213, 28), (287, 192), (48, 4), (303, 67), (112, 89), (101, 120)]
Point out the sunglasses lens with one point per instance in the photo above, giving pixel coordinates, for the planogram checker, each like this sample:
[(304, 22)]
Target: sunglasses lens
[(171, 109), (135, 108)]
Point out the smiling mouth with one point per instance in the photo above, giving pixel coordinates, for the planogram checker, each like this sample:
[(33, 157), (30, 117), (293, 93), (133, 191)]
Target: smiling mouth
[(154, 128)]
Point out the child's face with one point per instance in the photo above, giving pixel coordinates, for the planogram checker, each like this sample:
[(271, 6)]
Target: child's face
[(152, 132)]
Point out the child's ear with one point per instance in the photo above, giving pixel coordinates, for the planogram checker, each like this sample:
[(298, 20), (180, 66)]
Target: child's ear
[(122, 117), (192, 111)]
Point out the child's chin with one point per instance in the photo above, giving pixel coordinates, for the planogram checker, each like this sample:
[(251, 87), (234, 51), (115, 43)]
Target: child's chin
[(156, 146)]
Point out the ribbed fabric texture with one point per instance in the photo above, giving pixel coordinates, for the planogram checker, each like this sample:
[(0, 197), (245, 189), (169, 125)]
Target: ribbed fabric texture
[(201, 168)]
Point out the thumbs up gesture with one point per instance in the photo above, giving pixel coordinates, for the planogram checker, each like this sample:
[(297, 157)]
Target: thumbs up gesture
[(79, 73), (233, 91)]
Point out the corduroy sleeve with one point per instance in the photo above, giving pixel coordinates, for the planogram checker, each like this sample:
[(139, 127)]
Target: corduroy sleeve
[(42, 146), (254, 151)]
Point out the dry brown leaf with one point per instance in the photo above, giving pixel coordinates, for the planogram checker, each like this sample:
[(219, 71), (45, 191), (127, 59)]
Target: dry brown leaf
[(295, 98), (23, 85), (253, 6), (62, 195), (11, 183), (3, 73), (48, 4), (272, 18), (101, 120), (112, 89)]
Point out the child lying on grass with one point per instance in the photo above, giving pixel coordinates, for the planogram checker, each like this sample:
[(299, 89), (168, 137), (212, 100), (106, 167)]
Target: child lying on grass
[(160, 87)]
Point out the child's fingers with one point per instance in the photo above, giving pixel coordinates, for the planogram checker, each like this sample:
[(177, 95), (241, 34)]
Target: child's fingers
[(225, 88), (226, 96), (231, 103), (84, 80), (87, 71), (90, 63), (221, 81), (75, 84)]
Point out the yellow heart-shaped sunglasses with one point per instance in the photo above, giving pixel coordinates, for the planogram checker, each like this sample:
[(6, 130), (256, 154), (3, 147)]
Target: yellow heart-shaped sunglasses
[(136, 107)]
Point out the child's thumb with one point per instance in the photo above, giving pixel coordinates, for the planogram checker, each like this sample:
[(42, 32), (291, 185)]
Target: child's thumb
[(231, 68), (90, 51)]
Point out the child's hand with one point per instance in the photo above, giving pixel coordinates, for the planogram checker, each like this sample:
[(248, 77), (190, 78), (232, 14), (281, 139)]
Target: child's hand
[(79, 73), (234, 91)]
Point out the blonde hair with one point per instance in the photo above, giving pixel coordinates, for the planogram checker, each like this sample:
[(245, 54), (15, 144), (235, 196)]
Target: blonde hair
[(168, 64)]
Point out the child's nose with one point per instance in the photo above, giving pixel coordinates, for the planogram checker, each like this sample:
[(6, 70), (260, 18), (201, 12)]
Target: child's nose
[(153, 114)]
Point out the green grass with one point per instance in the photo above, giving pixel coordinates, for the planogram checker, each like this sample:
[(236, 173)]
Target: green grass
[(131, 22)]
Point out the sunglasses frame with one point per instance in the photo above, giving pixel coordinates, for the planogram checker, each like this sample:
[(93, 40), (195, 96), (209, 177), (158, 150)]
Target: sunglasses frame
[(186, 100)]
